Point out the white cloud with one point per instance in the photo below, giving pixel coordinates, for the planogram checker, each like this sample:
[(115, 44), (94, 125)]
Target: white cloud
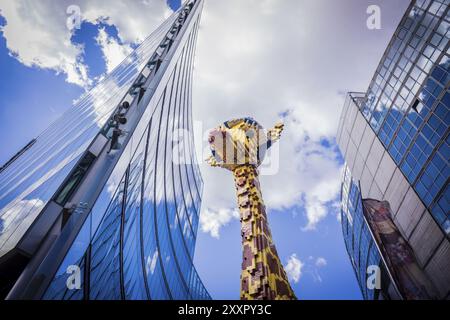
[(254, 58), (263, 58), (294, 268), (134, 20), (313, 266), (113, 52), (36, 32), (316, 276), (151, 262), (15, 216), (321, 262), (212, 220), (16, 213)]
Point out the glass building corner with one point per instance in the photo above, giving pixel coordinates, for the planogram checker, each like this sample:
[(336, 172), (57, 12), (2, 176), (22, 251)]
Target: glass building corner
[(395, 139)]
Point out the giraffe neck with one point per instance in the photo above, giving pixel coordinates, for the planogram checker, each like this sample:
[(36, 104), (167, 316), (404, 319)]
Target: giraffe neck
[(262, 276)]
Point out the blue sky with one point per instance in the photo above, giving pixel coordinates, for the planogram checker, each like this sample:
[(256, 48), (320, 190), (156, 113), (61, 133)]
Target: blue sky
[(305, 86)]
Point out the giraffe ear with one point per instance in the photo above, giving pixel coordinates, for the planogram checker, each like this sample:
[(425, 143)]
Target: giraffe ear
[(274, 134)]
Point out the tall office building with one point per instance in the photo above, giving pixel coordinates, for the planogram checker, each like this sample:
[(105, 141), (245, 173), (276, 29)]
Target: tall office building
[(104, 204), (396, 144)]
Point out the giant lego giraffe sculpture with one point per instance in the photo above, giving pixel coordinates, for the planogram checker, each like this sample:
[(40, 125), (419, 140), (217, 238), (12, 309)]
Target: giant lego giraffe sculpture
[(239, 146)]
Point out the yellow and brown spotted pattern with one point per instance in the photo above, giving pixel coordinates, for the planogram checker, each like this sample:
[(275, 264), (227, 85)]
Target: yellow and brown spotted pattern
[(262, 276), (237, 149)]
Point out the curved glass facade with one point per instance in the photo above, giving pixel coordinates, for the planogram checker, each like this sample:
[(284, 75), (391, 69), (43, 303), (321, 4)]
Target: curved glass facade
[(137, 239), (28, 183)]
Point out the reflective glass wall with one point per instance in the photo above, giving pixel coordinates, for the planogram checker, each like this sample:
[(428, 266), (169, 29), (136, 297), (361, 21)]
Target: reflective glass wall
[(138, 239), (142, 245), (358, 241), (28, 183), (361, 247), (408, 102)]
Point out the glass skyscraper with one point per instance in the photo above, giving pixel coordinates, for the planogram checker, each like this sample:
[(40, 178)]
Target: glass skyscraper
[(395, 139), (105, 203)]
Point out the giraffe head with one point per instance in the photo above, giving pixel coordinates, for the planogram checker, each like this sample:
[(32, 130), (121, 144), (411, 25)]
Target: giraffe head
[(241, 142)]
